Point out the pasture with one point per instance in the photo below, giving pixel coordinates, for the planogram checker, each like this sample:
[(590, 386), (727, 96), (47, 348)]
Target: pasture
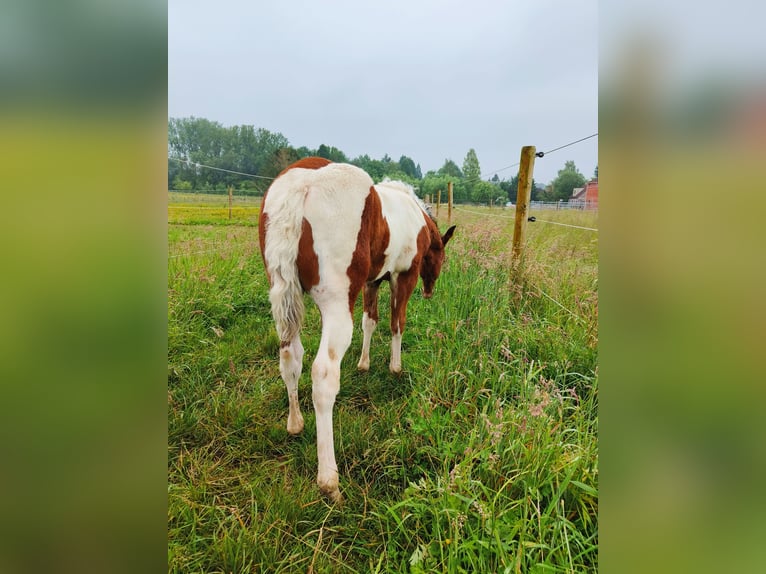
[(481, 457)]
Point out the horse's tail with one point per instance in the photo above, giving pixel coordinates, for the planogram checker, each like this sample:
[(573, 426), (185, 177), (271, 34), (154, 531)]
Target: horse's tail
[(283, 232)]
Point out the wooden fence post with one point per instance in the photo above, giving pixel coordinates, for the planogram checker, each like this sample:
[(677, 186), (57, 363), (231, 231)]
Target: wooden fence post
[(449, 202), (438, 202), (526, 169), (230, 191)]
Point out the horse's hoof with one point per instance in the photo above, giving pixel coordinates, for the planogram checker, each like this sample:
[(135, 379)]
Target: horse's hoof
[(295, 427), (332, 494), (328, 486)]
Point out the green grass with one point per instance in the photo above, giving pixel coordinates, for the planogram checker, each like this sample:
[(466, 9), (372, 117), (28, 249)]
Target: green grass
[(481, 457)]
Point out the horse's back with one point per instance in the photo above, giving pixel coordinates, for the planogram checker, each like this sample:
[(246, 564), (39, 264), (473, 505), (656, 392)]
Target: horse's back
[(327, 191), (333, 209), (321, 208)]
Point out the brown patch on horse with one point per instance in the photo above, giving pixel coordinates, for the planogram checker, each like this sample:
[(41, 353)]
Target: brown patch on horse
[(427, 239), (307, 163), (371, 243), (370, 298), (433, 231), (433, 253), (405, 285), (307, 261)]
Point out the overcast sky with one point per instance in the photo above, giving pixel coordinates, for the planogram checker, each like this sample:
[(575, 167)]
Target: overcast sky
[(423, 78)]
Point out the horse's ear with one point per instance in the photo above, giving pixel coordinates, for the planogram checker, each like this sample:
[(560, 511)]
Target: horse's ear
[(448, 234)]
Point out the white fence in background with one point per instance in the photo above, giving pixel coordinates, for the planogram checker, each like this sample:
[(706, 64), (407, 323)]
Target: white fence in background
[(576, 204), (555, 205)]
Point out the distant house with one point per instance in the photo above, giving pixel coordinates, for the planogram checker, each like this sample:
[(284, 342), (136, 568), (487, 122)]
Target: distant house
[(748, 126), (587, 195)]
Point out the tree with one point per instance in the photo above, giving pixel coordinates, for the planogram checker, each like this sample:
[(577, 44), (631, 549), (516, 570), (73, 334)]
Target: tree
[(365, 162), (547, 193), (199, 141), (471, 169), (472, 176), (303, 151), (483, 191), (180, 184), (407, 166), (380, 169), (279, 160), (332, 153), (237, 148), (450, 168), (567, 180), (595, 173), (433, 182), (512, 189), (323, 151)]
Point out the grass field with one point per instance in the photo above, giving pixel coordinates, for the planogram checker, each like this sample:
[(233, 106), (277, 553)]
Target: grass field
[(198, 209), (481, 457)]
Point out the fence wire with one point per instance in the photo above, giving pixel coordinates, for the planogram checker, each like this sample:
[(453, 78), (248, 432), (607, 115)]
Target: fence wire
[(534, 221)]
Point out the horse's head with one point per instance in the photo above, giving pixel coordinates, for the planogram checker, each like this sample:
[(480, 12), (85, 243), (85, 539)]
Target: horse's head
[(431, 266)]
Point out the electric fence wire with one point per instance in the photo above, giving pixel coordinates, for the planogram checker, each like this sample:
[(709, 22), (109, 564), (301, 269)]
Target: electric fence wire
[(544, 153), (532, 220)]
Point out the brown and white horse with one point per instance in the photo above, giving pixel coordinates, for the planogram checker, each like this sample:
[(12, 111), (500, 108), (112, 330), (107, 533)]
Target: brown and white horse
[(326, 230)]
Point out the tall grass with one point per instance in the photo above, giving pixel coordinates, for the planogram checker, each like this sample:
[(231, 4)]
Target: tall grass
[(480, 457)]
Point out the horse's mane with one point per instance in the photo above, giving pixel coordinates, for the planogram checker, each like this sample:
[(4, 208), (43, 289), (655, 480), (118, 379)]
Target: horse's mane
[(409, 190)]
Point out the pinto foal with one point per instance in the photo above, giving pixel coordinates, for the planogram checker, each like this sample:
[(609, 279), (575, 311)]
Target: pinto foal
[(325, 229)]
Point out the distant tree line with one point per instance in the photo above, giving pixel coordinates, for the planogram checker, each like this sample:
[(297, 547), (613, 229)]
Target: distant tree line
[(258, 151)]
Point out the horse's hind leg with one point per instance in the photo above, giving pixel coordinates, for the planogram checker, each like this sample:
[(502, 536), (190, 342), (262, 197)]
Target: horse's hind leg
[(290, 366), (288, 310), (337, 329), (369, 322)]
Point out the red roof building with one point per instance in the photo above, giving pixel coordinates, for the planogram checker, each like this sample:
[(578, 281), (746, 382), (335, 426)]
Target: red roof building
[(587, 195)]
